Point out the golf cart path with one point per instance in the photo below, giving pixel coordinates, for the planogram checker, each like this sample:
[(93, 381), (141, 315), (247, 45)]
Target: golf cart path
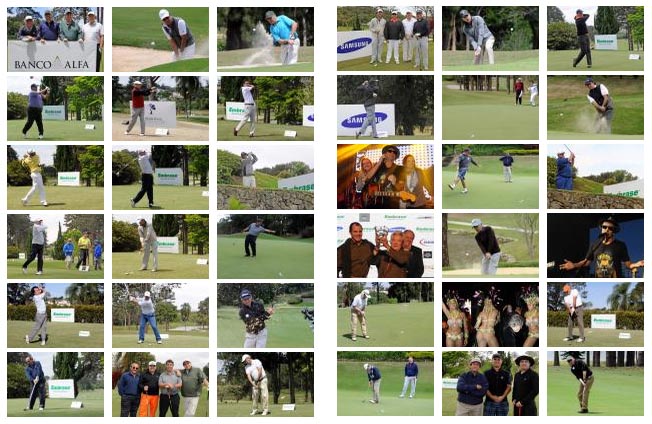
[(185, 131), (136, 58)]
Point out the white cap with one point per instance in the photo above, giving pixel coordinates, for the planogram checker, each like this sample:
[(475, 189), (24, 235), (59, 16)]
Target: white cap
[(152, 363), (30, 151), (90, 12), (163, 13), (28, 18), (137, 83), (245, 357), (365, 292), (476, 223), (365, 366), (147, 294), (379, 10)]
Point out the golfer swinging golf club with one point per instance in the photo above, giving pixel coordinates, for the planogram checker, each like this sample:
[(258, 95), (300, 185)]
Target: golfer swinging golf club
[(603, 103), (368, 91), (178, 35), (374, 377), (138, 106), (250, 109), (148, 243), (41, 317), (253, 230), (584, 375), (284, 33), (464, 161), (358, 314), (32, 162), (35, 109), (258, 379), (147, 315), (36, 377), (254, 315), (38, 242), (147, 166), (479, 36), (488, 244)]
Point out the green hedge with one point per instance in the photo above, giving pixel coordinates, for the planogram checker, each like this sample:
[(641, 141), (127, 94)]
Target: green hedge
[(624, 319), (12, 252), (93, 314)]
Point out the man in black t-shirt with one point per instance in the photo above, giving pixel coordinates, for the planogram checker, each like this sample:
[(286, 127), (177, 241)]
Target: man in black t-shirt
[(583, 373), (500, 384)]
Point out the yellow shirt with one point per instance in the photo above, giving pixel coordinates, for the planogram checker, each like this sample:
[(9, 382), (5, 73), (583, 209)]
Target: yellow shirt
[(33, 163), (84, 243)]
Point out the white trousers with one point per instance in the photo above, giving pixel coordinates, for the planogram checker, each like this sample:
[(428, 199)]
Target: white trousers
[(37, 184), (290, 53)]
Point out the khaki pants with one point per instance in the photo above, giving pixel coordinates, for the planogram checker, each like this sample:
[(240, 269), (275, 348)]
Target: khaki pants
[(375, 386), (190, 406), (464, 409), (355, 318), (260, 396), (583, 393), (579, 311)]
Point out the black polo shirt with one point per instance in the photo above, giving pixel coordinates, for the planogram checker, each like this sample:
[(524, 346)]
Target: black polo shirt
[(498, 381), (578, 369)]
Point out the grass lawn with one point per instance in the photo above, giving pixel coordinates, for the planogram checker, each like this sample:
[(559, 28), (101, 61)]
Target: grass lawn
[(278, 258), (51, 270), (603, 60), (232, 61), (482, 115), (264, 132), (410, 138), (519, 60), (199, 64), (286, 329), (93, 406), (165, 197), (570, 116), (125, 19), (59, 198), (615, 391), (487, 187), (243, 407), (202, 406), (353, 392), (60, 335), (56, 131), (449, 402), (127, 265), (595, 337), (362, 63), (390, 325), (179, 338)]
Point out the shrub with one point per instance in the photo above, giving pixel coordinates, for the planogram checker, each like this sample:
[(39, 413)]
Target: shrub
[(562, 36)]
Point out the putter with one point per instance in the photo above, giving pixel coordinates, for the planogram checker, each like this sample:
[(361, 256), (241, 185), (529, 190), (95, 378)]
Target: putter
[(29, 399)]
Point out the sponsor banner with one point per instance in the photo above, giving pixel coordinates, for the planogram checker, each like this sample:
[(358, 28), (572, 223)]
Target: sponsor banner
[(168, 176), (603, 321), (304, 182), (308, 116), (68, 179), (61, 389), (353, 44), (160, 114), (626, 189), (54, 113), (421, 224), (50, 57), (449, 383), (351, 117), (62, 315), (168, 245), (235, 111), (606, 42)]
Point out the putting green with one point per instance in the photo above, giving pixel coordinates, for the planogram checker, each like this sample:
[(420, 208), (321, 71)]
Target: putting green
[(595, 337), (51, 270), (127, 265), (165, 197), (93, 406), (59, 198), (60, 335)]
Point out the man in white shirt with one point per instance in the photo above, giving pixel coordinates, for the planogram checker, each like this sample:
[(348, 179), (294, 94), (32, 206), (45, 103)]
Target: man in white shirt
[(148, 243), (377, 29), (409, 42), (38, 242), (258, 379), (41, 317), (573, 303), (178, 35), (147, 166), (250, 109), (358, 314), (93, 31)]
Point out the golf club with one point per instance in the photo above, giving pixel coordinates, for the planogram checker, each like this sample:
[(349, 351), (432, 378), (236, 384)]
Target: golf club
[(29, 399), (420, 54), (569, 150)]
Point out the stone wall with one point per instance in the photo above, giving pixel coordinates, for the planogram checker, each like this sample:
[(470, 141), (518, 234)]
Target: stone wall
[(564, 199), (264, 199)]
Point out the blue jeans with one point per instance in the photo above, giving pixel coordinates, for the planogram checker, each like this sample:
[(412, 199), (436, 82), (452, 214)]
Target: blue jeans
[(144, 319)]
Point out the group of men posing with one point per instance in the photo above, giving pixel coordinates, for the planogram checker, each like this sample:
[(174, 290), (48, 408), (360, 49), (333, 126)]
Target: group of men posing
[(413, 32)]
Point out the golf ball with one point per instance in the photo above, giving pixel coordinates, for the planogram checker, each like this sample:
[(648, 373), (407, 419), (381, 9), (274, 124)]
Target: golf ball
[(561, 114), (280, 274), (152, 43), (472, 135)]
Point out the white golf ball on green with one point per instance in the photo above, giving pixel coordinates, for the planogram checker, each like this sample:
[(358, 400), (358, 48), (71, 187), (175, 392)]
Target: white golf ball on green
[(153, 43)]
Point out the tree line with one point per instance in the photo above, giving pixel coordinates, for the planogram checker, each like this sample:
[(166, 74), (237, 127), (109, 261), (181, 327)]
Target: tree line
[(229, 166), (612, 359), (191, 229), (395, 293), (299, 225), (229, 294)]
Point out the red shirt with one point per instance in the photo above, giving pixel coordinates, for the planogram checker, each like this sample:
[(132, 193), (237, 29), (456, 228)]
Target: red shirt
[(518, 85), (138, 97)]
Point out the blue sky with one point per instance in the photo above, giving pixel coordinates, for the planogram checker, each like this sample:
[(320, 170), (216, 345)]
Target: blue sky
[(592, 159), (569, 12), (599, 291)]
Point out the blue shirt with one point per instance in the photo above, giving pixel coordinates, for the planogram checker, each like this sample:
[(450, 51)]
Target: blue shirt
[(564, 168), (35, 370), (507, 160), (373, 373), (48, 31), (34, 99), (282, 29), (467, 391), (68, 249), (411, 369), (254, 229), (98, 250), (128, 384)]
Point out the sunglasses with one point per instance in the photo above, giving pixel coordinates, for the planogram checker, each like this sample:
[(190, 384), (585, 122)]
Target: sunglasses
[(608, 227), (393, 151), (134, 368)]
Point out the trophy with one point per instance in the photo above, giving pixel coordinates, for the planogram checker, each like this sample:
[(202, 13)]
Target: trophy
[(381, 232)]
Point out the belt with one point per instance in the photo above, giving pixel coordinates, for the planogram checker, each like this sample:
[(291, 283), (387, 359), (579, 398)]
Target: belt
[(249, 104)]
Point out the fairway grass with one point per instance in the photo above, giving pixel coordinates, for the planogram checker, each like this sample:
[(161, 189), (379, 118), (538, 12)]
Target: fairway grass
[(615, 391), (243, 407), (127, 337), (353, 392), (595, 337), (232, 61), (362, 63), (603, 60), (390, 325), (165, 197), (277, 258), (519, 60), (171, 265), (56, 131), (202, 406), (488, 189), (449, 401), (51, 270), (199, 64), (60, 335), (264, 132), (93, 406), (58, 197), (287, 328)]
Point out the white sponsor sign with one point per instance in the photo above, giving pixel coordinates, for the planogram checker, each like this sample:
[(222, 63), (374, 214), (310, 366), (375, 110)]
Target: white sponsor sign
[(304, 182), (351, 117), (168, 176), (61, 389), (68, 179), (308, 116), (168, 245), (603, 321), (50, 57), (160, 114), (54, 113), (606, 42), (62, 315), (235, 111), (626, 189), (353, 44), (449, 383)]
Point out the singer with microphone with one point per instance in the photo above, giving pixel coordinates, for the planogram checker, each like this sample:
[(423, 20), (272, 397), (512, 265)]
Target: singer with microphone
[(608, 253)]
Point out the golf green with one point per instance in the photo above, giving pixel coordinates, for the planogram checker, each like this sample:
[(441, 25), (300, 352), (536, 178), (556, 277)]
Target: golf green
[(165, 197), (127, 265), (51, 270), (56, 131), (59, 198), (353, 392), (60, 335), (127, 337), (93, 406)]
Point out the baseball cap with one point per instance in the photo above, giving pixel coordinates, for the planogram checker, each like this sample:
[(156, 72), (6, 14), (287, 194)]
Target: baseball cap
[(245, 357), (269, 14), (475, 359), (366, 292), (562, 153), (391, 148), (143, 151), (90, 12), (419, 11), (147, 294), (567, 288), (476, 222), (68, 11), (464, 13), (379, 10), (152, 363), (28, 18), (579, 11), (137, 83), (394, 12), (496, 355), (185, 362), (163, 13), (245, 294), (365, 366), (30, 151), (588, 81), (47, 12)]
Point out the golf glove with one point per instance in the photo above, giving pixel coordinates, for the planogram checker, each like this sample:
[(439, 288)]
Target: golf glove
[(36, 380)]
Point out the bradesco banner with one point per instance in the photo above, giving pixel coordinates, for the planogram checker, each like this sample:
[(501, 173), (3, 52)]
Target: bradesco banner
[(235, 111), (603, 321), (168, 244), (606, 42), (61, 389), (51, 56), (305, 182), (168, 176), (626, 189), (70, 179), (351, 117), (62, 315), (160, 114), (353, 44), (308, 116), (54, 113)]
